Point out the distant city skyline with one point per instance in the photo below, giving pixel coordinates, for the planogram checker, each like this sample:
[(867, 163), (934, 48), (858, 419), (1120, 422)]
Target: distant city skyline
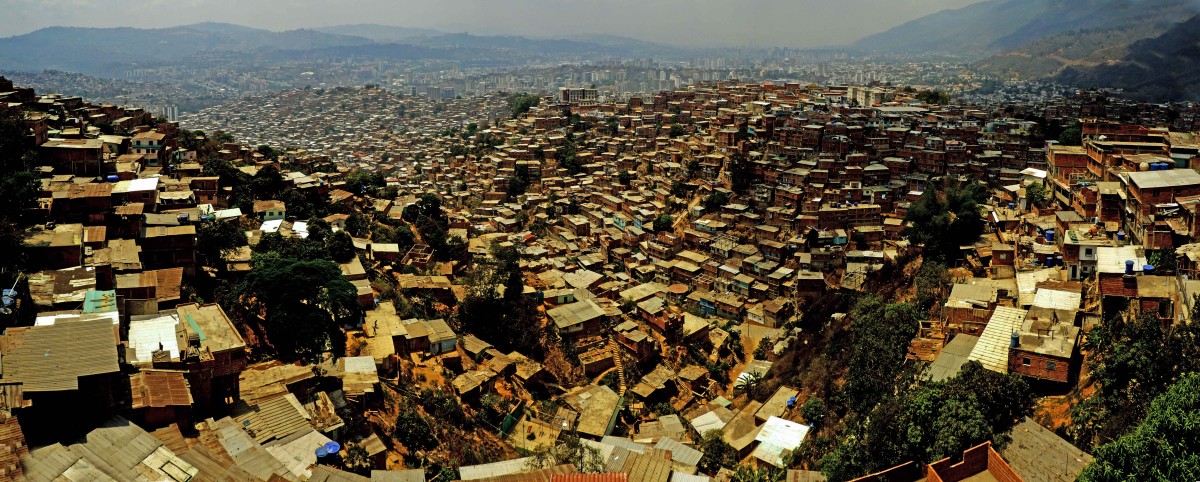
[(702, 23)]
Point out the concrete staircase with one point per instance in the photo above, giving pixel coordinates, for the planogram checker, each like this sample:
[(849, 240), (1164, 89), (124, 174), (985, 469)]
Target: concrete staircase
[(619, 363)]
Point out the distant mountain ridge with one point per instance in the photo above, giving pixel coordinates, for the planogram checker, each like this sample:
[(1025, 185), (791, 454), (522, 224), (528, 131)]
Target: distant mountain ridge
[(994, 26), (98, 50), (380, 33), (1163, 68), (112, 51)]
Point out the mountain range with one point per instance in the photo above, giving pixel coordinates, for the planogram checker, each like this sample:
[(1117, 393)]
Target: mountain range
[(995, 26), (1163, 68), (112, 51), (1093, 42)]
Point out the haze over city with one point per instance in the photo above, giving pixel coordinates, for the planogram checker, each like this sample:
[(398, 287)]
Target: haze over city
[(708, 23)]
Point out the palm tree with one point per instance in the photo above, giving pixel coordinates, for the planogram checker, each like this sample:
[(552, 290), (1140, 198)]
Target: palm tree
[(749, 383)]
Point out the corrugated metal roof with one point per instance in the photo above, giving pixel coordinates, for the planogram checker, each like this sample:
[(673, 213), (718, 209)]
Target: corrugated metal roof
[(602, 477), (273, 418), (117, 450), (147, 336), (680, 452), (245, 452), (298, 454), (953, 356), (776, 437), (992, 349), (52, 358), (494, 469), (325, 473), (156, 388), (682, 477), (1057, 300), (1161, 179), (410, 475)]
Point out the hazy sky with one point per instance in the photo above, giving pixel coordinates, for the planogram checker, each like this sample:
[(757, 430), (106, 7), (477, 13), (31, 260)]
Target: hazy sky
[(798, 23)]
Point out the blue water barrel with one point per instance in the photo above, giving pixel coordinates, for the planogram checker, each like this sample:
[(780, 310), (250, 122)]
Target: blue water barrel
[(1128, 267), (1049, 235), (112, 178), (1148, 269)]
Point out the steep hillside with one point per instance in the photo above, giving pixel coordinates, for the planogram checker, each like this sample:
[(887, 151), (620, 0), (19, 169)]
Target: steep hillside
[(1164, 68), (1001, 25), (1086, 47)]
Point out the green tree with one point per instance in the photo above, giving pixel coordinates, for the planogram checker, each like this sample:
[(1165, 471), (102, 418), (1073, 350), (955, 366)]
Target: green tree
[(1036, 194), (925, 423), (570, 450), (718, 454), (933, 285), (268, 184), (625, 177), (715, 201), (361, 181), (518, 183), (496, 309), (357, 459), (357, 224), (521, 103), (19, 190), (813, 411), (1071, 136), (740, 173), (1132, 362), (1163, 260), (945, 218), (302, 302), (664, 222), (935, 97), (217, 239), (676, 130), (414, 431), (1165, 446), (751, 384), (881, 335), (268, 152), (341, 247)]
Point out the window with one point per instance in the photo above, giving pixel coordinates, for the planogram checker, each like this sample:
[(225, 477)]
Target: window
[(1051, 366), (1087, 252), (1026, 362)]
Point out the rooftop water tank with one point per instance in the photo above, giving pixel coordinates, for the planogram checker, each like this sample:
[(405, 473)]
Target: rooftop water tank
[(1015, 340), (112, 178), (1145, 166), (1120, 235), (1128, 267), (1148, 269), (1049, 235)]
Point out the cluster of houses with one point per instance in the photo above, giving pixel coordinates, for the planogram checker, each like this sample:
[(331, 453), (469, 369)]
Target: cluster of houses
[(633, 241)]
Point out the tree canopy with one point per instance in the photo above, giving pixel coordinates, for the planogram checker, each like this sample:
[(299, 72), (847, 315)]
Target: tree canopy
[(503, 318), (929, 422), (217, 239), (302, 302), (1163, 447), (1131, 362), (521, 103), (19, 188), (881, 334), (946, 218)]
